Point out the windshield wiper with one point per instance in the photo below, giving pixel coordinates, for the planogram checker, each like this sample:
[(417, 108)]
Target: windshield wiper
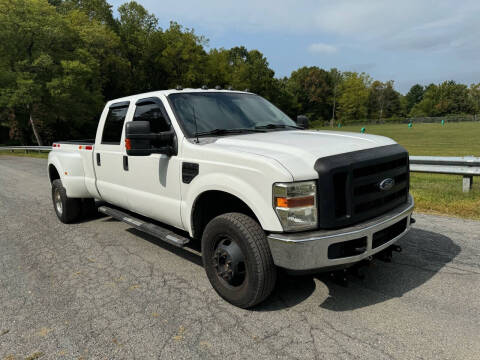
[(227, 131), (277, 126)]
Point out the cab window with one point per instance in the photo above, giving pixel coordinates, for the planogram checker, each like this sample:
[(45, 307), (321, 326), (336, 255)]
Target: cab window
[(112, 130), (152, 112)]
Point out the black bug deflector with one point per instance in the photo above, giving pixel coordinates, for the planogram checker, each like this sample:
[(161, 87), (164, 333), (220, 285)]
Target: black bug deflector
[(350, 185)]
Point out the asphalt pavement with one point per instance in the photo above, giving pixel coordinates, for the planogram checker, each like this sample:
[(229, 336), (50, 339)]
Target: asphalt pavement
[(99, 289)]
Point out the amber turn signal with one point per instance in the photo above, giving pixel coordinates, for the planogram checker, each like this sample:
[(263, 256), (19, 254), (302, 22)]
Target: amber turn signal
[(295, 202)]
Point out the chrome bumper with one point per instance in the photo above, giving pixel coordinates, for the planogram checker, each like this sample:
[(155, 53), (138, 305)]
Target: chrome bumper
[(309, 250)]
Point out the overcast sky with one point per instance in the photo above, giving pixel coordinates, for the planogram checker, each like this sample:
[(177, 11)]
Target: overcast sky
[(406, 41)]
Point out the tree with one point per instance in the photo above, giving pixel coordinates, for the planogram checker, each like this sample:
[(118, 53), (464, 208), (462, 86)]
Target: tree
[(242, 69), (383, 100), (138, 31), (30, 37), (474, 93), (50, 65), (98, 10), (336, 77), (414, 96), (183, 58), (312, 88), (283, 98), (444, 99), (353, 100)]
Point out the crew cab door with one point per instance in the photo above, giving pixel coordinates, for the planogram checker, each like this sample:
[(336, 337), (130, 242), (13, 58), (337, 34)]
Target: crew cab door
[(109, 153), (153, 181)]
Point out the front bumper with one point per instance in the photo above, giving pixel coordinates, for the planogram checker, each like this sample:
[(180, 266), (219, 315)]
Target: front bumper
[(310, 250)]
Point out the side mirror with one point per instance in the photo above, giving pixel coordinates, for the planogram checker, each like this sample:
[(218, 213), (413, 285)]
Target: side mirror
[(302, 121), (140, 141)]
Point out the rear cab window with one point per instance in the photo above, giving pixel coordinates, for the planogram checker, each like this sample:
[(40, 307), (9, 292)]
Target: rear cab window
[(113, 127)]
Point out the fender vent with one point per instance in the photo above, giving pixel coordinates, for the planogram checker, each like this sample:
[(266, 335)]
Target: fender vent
[(189, 171)]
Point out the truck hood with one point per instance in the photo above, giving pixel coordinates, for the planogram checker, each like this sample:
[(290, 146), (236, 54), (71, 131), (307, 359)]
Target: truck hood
[(298, 151)]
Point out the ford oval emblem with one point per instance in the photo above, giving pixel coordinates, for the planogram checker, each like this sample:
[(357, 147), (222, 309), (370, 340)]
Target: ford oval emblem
[(386, 184)]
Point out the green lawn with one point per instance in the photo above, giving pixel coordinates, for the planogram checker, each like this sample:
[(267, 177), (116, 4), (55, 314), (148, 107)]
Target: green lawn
[(440, 194), (34, 154), (451, 139)]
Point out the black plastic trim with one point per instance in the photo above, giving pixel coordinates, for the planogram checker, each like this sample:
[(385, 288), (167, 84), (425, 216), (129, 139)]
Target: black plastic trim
[(119, 105), (335, 215), (149, 100), (189, 171)]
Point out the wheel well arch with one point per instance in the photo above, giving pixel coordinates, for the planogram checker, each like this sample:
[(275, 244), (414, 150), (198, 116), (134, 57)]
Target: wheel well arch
[(53, 173), (213, 203)]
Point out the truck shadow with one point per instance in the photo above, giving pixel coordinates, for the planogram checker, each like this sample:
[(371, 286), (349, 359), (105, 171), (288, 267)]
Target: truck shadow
[(424, 254), (190, 252)]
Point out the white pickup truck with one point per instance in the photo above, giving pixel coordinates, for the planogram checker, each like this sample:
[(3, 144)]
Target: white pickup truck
[(229, 169)]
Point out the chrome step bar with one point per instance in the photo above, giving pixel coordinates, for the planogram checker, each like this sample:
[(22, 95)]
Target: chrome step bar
[(146, 227)]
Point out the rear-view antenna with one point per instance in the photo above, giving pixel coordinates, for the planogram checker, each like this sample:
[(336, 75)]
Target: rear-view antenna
[(195, 122)]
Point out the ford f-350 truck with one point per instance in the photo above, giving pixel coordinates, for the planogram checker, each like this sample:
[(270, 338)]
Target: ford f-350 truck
[(229, 169)]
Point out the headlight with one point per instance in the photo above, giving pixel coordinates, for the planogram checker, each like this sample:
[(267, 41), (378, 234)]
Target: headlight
[(296, 205)]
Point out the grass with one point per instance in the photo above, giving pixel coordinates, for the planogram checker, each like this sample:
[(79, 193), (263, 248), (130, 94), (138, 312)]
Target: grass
[(21, 153), (451, 139), (441, 194)]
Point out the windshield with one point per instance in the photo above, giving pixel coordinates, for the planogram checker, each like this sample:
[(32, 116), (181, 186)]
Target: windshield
[(217, 111)]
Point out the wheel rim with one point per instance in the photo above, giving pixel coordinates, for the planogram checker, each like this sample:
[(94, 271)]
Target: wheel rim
[(229, 262), (58, 201)]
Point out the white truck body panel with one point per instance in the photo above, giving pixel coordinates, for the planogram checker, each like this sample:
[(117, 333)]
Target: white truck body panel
[(296, 150)]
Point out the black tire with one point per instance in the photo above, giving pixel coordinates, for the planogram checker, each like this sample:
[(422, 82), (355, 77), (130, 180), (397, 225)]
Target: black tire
[(89, 209), (259, 272), (67, 209)]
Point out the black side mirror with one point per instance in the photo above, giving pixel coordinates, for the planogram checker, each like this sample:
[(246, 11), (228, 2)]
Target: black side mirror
[(302, 121), (140, 141)]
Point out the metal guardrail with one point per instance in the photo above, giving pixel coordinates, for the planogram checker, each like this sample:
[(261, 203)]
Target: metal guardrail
[(467, 166), (26, 148)]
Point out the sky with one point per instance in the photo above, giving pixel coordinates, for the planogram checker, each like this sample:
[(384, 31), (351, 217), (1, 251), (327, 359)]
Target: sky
[(407, 41)]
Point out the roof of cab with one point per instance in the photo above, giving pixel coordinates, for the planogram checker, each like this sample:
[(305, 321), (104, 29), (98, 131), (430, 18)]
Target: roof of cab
[(171, 91)]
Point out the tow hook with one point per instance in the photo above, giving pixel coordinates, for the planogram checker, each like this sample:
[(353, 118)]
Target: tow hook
[(340, 276), (386, 254)]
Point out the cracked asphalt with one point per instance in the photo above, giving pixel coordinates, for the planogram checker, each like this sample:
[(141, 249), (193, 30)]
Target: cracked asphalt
[(101, 290)]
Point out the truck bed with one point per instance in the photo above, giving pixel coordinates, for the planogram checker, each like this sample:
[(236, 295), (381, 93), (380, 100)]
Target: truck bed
[(73, 159)]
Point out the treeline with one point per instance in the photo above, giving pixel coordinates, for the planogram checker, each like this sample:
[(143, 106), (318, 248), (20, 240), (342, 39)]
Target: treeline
[(60, 60)]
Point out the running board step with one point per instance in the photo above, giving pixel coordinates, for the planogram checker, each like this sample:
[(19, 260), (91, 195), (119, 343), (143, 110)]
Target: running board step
[(146, 227)]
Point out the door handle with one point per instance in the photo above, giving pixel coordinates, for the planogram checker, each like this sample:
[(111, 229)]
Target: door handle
[(125, 162), (99, 163)]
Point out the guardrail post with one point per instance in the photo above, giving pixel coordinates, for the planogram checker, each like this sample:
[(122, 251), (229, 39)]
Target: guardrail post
[(467, 183)]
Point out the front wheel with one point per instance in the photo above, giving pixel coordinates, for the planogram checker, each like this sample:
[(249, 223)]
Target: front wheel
[(237, 259)]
